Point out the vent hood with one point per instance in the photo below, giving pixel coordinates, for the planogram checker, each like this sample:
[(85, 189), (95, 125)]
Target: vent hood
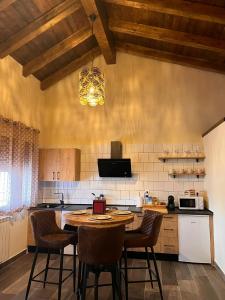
[(113, 167), (116, 166)]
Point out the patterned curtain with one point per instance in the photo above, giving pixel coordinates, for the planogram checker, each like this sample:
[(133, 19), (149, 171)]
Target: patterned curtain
[(18, 166)]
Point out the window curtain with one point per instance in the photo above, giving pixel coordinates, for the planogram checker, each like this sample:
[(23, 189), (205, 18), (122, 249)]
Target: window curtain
[(18, 166)]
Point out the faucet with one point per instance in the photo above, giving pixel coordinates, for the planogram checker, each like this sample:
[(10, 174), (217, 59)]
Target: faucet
[(62, 198)]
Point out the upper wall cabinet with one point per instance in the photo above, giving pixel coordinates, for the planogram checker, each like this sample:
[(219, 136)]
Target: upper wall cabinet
[(59, 164)]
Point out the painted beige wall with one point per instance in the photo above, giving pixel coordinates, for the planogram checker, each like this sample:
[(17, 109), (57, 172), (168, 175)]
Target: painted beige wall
[(20, 97), (146, 101), (214, 144)]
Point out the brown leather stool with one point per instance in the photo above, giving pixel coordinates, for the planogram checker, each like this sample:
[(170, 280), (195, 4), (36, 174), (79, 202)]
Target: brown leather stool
[(48, 235), (145, 236), (99, 250)]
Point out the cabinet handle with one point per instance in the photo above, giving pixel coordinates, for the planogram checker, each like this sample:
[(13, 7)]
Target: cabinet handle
[(58, 175), (168, 229), (169, 245), (53, 175)]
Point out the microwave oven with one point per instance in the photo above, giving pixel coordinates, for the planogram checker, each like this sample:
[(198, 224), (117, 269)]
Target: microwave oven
[(188, 202)]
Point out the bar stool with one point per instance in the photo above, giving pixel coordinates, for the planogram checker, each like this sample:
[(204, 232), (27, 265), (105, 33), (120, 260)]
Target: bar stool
[(145, 236), (99, 250), (49, 236)]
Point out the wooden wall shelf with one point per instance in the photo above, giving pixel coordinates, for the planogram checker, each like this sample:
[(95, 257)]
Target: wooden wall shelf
[(194, 156), (187, 174)]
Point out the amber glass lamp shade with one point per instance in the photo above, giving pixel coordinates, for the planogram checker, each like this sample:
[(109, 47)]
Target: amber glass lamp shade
[(91, 87)]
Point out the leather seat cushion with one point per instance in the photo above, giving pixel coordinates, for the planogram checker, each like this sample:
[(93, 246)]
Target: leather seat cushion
[(136, 239), (58, 240)]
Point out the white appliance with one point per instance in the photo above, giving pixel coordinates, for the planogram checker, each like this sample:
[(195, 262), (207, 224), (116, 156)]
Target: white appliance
[(187, 202), (69, 249), (194, 238)]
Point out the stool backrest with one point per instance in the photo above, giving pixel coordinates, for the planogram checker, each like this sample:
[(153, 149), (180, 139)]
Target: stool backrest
[(100, 246), (151, 224), (43, 223)]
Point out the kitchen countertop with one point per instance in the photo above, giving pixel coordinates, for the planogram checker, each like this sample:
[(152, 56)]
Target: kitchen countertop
[(133, 208), (203, 212)]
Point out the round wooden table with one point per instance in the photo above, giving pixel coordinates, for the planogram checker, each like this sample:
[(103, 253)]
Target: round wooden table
[(86, 219)]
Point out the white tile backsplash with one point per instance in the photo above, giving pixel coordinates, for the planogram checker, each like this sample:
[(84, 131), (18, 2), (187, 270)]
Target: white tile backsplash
[(148, 174)]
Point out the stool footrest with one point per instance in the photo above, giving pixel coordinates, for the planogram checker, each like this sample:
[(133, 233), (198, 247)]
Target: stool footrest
[(42, 281), (99, 285), (51, 268)]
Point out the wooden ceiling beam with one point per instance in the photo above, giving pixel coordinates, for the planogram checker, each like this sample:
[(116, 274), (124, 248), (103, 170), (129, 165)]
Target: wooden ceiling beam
[(70, 68), (170, 57), (38, 26), (56, 51), (187, 9), (5, 3), (169, 36), (101, 31)]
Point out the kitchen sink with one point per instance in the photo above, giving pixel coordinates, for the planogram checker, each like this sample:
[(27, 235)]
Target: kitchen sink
[(48, 205)]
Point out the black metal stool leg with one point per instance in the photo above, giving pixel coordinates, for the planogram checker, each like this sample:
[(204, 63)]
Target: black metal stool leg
[(84, 281), (118, 281), (149, 265), (79, 283), (74, 268), (60, 273), (157, 273), (126, 273), (31, 273), (113, 283), (46, 268), (96, 285)]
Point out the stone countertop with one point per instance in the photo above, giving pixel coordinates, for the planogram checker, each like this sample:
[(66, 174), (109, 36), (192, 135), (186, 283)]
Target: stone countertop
[(133, 208), (197, 212)]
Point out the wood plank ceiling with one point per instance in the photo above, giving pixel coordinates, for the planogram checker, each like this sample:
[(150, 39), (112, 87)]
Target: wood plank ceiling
[(53, 38)]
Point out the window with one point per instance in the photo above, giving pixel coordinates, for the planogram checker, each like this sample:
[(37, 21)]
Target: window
[(4, 189), (18, 165)]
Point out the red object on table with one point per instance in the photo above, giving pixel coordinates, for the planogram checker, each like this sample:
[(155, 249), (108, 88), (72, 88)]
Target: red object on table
[(99, 207)]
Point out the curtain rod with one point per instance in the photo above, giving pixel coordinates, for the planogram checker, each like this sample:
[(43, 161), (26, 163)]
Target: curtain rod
[(17, 123)]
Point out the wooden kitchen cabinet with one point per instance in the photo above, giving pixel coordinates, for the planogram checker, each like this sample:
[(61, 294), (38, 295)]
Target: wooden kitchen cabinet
[(168, 236), (59, 164), (30, 236)]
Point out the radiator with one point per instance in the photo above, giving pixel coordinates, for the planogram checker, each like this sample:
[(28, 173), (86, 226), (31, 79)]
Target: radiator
[(4, 238)]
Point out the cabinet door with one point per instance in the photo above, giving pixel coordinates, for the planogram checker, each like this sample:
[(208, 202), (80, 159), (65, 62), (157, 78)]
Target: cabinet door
[(168, 237), (48, 164), (69, 165)]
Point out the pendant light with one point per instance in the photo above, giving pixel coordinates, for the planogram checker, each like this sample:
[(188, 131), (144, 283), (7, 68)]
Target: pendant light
[(91, 82)]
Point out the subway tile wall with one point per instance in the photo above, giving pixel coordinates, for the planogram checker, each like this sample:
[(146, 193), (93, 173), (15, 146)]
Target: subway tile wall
[(148, 174)]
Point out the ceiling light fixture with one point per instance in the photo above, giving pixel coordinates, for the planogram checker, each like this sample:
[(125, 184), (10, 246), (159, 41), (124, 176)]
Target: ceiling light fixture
[(91, 82)]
